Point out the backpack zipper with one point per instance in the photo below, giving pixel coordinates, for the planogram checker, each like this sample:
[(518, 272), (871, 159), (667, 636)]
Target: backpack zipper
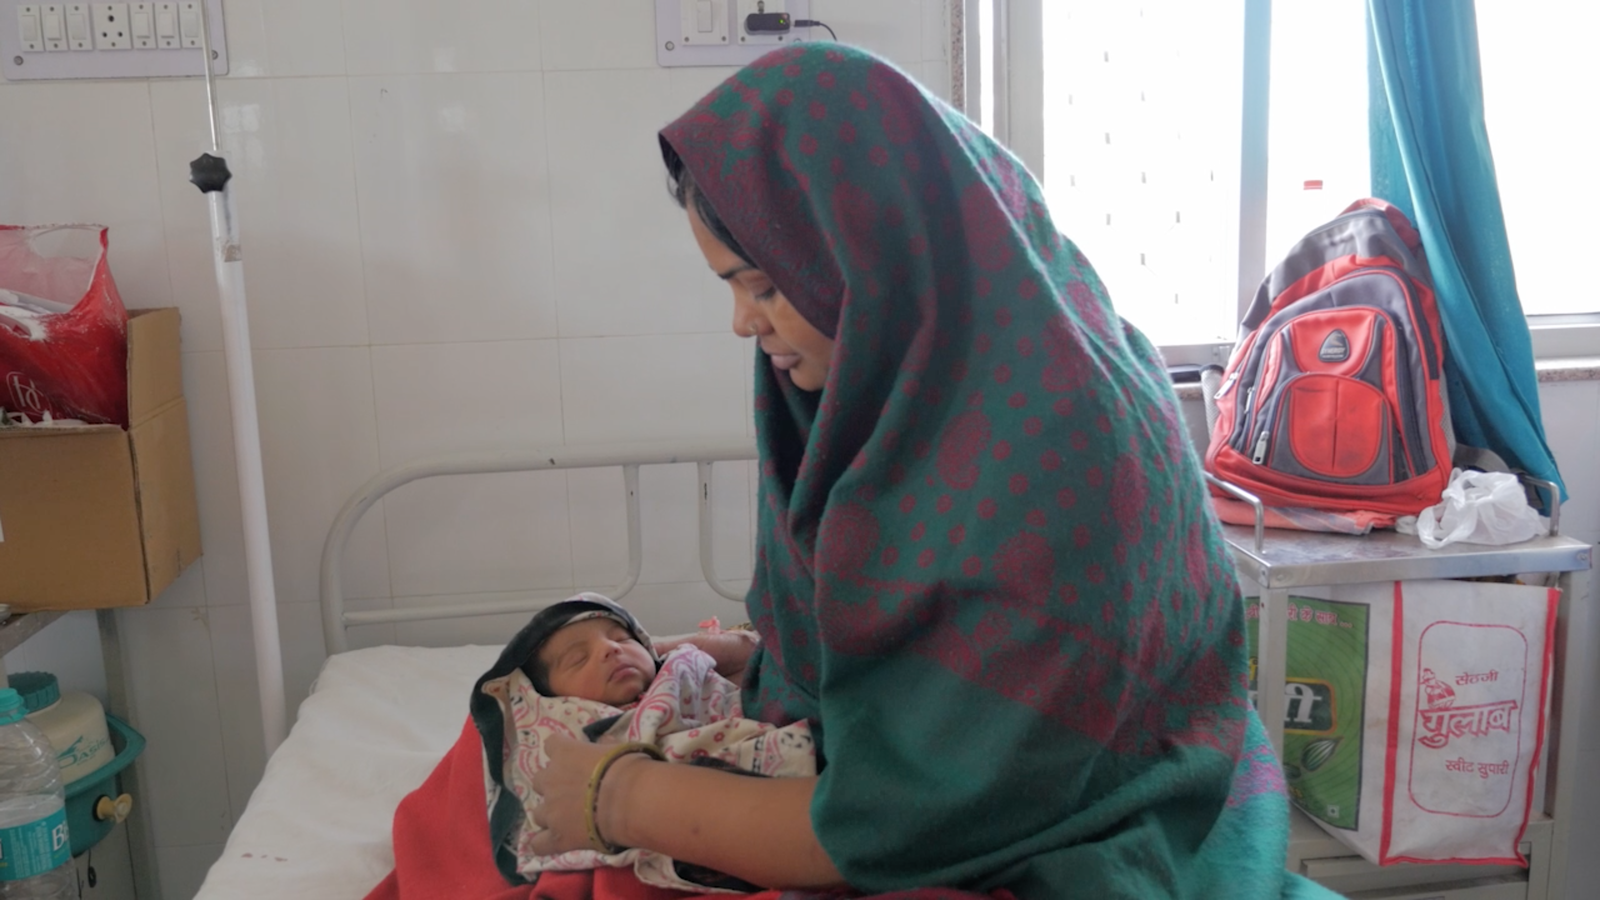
[(1260, 455), (1246, 410), (1226, 386)]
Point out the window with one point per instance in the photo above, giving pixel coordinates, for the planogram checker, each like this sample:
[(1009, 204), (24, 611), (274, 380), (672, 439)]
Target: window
[(1142, 106), (1317, 137), (1140, 116), (1534, 67), (1540, 78)]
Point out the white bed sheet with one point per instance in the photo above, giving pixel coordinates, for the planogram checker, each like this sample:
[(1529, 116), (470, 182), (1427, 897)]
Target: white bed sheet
[(376, 724)]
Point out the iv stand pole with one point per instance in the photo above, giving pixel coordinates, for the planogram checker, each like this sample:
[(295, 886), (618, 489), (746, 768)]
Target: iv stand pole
[(210, 174)]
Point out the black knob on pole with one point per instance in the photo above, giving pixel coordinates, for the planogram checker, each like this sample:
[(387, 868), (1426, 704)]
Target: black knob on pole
[(209, 173)]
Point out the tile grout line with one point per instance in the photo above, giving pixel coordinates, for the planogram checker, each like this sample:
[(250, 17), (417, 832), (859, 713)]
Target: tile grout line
[(555, 300), (203, 611), (366, 308), (401, 73), (204, 615), (161, 204), (513, 340), (383, 508), (561, 401), (549, 204)]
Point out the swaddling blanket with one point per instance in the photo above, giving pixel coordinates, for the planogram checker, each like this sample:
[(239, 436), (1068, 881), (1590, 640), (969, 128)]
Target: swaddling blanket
[(689, 711)]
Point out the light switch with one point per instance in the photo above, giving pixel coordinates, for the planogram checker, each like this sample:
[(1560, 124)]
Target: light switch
[(78, 31), (29, 32), (189, 23), (141, 24), (167, 26), (704, 22), (51, 24), (111, 26)]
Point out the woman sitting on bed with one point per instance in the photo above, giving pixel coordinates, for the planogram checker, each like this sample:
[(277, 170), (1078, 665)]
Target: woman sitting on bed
[(986, 573)]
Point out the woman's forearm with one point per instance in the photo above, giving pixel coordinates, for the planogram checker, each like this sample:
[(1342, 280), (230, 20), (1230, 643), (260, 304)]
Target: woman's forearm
[(757, 829)]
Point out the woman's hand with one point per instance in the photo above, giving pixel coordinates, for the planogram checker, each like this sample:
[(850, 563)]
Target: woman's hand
[(564, 786), (758, 829)]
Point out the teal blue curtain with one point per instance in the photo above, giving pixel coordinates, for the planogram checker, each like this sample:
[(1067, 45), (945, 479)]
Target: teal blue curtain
[(1430, 157)]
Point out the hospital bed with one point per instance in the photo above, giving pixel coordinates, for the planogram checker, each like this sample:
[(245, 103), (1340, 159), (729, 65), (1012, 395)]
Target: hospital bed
[(379, 719)]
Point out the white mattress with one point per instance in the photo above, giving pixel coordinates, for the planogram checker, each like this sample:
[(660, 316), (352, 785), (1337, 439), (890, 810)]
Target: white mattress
[(376, 724)]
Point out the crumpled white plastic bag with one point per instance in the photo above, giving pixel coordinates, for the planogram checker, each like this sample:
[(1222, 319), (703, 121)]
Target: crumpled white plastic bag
[(1477, 508)]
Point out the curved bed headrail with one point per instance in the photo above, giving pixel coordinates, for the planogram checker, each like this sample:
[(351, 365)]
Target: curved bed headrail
[(629, 457)]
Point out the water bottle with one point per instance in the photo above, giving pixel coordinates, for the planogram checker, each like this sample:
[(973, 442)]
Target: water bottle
[(35, 854)]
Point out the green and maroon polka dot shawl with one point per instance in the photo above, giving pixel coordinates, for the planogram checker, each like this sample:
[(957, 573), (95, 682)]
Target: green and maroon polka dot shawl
[(986, 567)]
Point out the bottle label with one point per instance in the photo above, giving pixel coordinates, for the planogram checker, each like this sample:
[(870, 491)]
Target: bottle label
[(34, 848)]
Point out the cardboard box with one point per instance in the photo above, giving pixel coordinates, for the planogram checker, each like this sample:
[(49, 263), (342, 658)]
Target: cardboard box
[(95, 517)]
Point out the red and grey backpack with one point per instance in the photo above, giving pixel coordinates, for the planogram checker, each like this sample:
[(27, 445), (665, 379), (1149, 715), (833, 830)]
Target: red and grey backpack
[(1334, 396)]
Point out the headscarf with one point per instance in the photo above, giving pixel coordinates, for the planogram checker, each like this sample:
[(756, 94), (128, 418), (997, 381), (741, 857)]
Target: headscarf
[(986, 569)]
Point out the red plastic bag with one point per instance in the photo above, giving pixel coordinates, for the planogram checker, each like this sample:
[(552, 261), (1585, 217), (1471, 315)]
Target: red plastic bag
[(63, 329)]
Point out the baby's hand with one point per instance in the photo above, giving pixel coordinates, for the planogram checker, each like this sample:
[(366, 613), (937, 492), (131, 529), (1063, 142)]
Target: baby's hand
[(730, 649)]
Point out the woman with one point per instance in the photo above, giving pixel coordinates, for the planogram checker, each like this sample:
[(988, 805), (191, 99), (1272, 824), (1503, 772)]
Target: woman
[(986, 568)]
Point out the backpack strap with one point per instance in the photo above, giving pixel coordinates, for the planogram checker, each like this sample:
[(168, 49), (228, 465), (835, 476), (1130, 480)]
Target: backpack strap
[(1397, 219)]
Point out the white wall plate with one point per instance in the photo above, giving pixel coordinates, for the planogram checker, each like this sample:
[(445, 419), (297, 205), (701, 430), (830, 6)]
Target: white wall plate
[(129, 46), (679, 36)]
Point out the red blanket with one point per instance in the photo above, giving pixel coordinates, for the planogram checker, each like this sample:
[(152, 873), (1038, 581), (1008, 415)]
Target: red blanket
[(441, 850), (441, 846)]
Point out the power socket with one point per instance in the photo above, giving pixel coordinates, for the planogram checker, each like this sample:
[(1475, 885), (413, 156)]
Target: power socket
[(748, 8), (768, 23), (111, 26)]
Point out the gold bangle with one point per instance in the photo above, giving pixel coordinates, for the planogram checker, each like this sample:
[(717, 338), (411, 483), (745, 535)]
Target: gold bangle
[(591, 808)]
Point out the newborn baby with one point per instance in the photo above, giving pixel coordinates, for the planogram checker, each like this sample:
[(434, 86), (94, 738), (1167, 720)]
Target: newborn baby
[(596, 650), (596, 655), (584, 668)]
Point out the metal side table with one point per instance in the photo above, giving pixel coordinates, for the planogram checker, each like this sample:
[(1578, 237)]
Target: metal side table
[(1289, 560)]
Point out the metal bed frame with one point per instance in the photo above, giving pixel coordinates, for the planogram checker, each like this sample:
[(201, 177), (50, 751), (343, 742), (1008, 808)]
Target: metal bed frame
[(1288, 560), (336, 619)]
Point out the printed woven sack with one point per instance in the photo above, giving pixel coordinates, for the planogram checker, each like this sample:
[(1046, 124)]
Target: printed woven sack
[(1414, 715)]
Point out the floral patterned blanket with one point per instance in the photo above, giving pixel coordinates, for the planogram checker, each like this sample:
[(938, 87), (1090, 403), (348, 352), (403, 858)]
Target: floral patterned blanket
[(689, 711)]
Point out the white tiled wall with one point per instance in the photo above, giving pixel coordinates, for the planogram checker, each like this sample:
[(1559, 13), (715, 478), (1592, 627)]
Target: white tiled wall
[(457, 237)]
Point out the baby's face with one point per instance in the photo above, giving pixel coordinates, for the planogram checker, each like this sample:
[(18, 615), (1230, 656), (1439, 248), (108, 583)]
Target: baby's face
[(597, 659)]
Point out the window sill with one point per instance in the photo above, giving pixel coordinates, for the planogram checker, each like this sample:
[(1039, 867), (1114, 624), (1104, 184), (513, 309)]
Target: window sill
[(1571, 368), (1568, 368)]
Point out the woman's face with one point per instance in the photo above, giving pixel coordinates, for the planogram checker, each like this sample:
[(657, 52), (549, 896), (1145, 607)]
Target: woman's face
[(761, 311)]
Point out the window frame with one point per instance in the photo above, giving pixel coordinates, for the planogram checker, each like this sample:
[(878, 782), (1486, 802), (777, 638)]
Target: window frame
[(1018, 122)]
